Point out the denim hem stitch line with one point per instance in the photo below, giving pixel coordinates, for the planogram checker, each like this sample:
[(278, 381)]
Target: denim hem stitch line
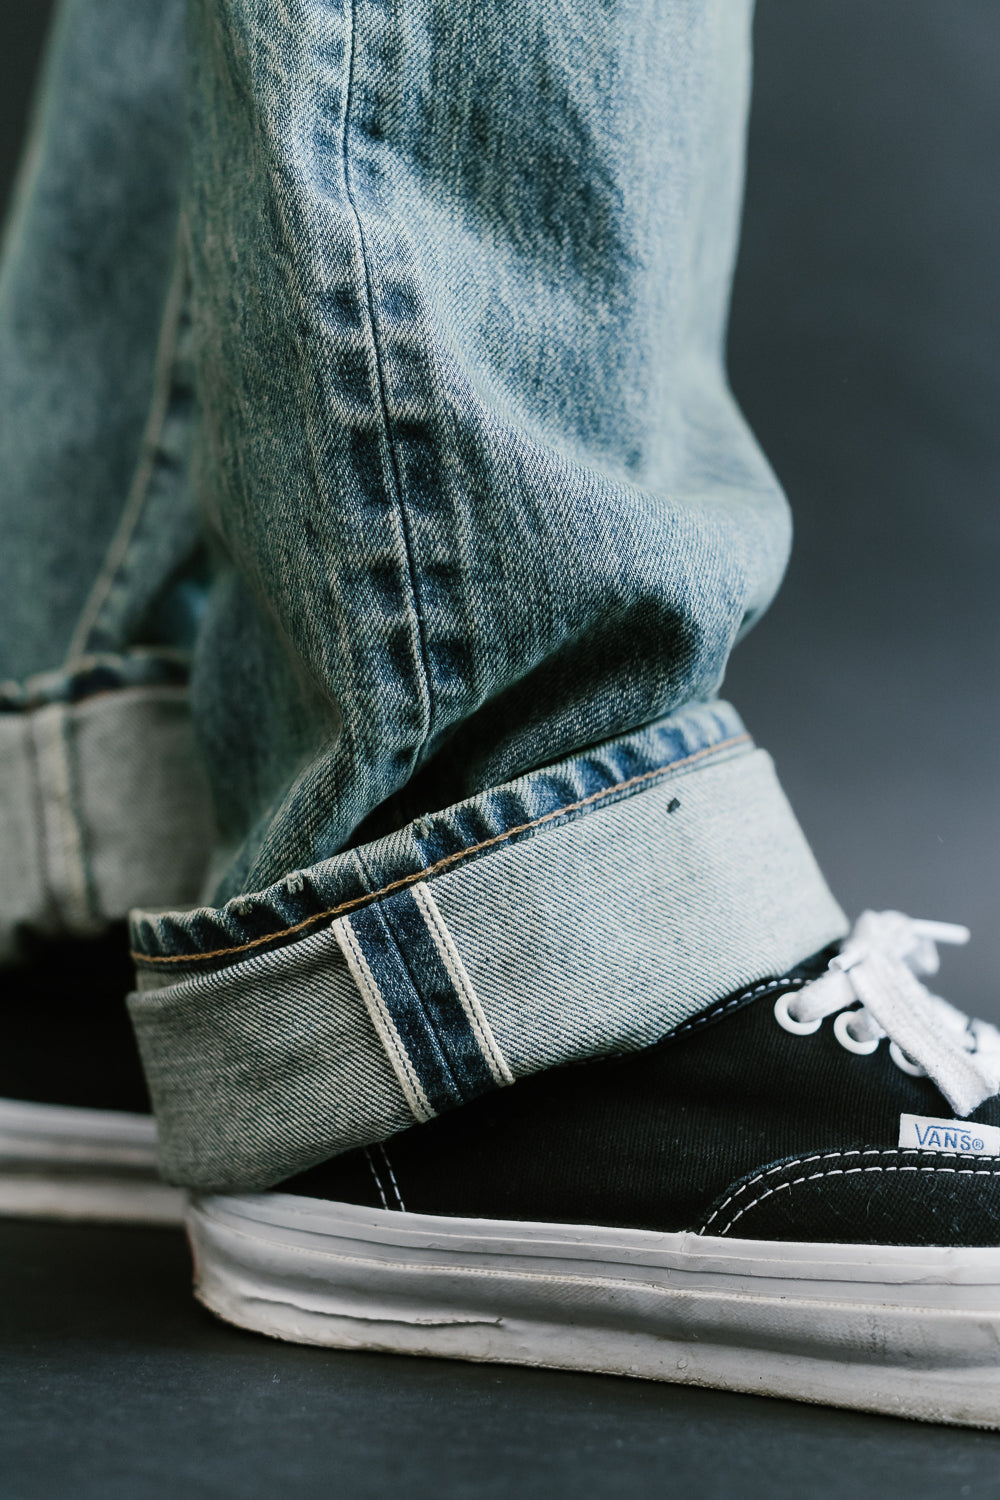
[(449, 859), (96, 676), (397, 478)]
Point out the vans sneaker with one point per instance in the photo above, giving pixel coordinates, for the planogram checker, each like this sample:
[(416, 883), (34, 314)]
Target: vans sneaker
[(77, 1140), (796, 1193)]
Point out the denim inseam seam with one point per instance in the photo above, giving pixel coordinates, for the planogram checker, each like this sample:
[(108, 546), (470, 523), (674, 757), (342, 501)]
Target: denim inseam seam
[(449, 859), (397, 478)]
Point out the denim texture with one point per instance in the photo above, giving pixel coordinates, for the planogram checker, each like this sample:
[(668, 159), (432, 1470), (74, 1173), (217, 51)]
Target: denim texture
[(460, 277), (103, 561), (445, 325), (87, 263), (647, 910), (598, 931), (208, 937), (394, 401), (102, 797)]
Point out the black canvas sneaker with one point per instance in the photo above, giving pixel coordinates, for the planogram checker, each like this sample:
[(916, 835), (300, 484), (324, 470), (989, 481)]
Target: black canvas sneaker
[(795, 1193), (77, 1140)]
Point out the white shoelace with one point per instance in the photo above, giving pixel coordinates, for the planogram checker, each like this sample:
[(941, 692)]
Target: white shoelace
[(878, 967)]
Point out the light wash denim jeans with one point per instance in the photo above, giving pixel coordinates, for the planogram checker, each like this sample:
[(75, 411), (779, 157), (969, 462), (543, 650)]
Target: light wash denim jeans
[(384, 420)]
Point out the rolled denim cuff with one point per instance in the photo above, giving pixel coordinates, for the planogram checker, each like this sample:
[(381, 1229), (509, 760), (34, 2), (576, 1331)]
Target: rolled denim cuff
[(587, 908), (102, 797)]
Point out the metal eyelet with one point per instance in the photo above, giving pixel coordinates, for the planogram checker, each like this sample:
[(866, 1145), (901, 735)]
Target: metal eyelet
[(797, 1028), (901, 1060), (841, 1030)]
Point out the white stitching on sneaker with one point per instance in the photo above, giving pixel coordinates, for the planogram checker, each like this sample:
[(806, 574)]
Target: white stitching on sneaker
[(745, 995), (392, 1178), (378, 1180), (784, 1166), (840, 1172)]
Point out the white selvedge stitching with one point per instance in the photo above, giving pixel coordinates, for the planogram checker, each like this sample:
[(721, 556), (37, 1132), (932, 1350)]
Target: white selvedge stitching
[(468, 999), (409, 1080), (841, 1172), (746, 996)]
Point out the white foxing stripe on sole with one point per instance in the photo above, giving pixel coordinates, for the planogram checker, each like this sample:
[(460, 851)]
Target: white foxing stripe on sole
[(90, 1198), (64, 1163), (58, 1133), (912, 1332)]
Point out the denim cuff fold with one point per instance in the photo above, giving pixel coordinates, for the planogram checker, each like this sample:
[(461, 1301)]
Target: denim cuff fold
[(102, 797), (586, 908)]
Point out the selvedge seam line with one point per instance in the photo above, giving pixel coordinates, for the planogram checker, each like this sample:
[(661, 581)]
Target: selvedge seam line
[(385, 1026), (441, 864), (477, 1018)]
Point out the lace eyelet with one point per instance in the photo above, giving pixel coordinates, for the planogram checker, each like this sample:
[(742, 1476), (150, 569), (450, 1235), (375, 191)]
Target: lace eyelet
[(902, 1062), (841, 1031), (789, 1023)]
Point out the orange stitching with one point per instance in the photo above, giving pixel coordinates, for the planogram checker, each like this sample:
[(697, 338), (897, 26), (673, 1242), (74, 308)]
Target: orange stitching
[(449, 859)]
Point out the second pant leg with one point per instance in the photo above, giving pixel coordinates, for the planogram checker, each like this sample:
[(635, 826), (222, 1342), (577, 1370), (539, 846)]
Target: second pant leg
[(102, 566), (84, 279)]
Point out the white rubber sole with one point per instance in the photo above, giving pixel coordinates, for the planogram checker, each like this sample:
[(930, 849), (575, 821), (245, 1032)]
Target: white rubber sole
[(62, 1163), (910, 1332)]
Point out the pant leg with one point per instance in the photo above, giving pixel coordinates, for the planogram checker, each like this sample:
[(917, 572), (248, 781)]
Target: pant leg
[(86, 268), (492, 523), (101, 792), (461, 276)]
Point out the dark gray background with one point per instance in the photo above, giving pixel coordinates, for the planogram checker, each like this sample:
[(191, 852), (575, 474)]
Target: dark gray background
[(864, 349)]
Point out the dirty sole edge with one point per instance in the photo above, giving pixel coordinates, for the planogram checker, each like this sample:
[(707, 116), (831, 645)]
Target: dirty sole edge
[(904, 1331)]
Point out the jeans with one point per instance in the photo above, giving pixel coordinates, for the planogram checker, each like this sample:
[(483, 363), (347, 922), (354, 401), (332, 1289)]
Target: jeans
[(378, 523)]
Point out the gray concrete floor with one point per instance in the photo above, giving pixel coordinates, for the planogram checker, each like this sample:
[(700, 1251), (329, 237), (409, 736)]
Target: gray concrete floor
[(865, 351)]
